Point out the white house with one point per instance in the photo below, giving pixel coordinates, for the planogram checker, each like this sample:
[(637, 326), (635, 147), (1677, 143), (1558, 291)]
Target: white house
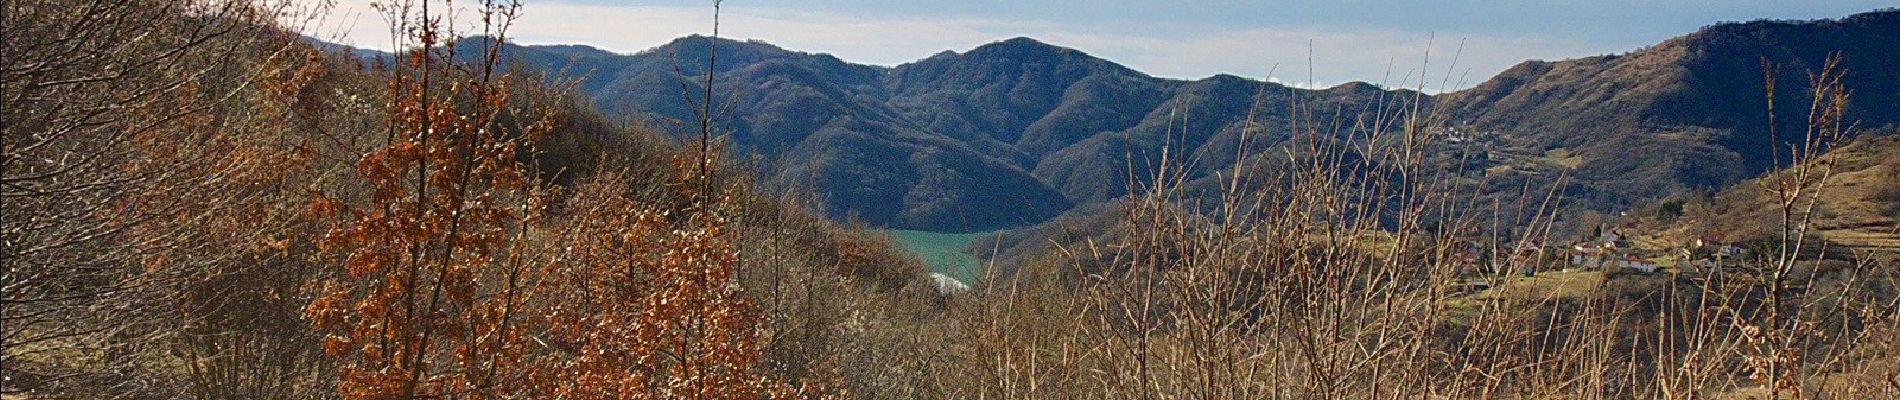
[(1637, 263), (948, 285)]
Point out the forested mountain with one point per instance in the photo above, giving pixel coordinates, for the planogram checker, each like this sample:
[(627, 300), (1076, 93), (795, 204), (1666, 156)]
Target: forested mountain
[(199, 202), (1689, 113), (1016, 131), (821, 124), (1007, 134)]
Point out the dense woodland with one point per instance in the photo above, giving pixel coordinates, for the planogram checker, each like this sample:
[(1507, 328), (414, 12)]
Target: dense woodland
[(201, 203)]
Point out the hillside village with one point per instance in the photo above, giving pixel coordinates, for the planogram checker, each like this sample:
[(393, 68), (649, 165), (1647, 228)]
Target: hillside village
[(1613, 251)]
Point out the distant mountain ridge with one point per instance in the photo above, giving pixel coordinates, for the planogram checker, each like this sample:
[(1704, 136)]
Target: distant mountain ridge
[(1017, 131), (1007, 134), (1688, 113)]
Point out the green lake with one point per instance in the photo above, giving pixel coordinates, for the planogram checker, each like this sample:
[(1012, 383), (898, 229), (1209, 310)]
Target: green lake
[(943, 251)]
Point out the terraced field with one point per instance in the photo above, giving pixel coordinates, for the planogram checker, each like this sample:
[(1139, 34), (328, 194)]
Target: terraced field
[(1880, 238)]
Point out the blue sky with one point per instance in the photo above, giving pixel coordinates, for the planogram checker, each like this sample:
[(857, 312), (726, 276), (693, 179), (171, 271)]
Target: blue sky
[(1377, 41)]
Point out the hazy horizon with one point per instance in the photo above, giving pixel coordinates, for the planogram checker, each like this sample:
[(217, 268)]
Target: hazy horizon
[(1383, 44)]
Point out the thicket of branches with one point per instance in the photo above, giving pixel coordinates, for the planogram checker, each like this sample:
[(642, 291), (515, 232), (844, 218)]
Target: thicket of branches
[(200, 204), (1331, 268)]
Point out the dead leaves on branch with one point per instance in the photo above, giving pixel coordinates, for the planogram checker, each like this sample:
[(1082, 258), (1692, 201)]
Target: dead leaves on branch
[(462, 277)]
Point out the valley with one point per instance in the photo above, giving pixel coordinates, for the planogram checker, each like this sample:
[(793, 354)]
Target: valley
[(213, 199)]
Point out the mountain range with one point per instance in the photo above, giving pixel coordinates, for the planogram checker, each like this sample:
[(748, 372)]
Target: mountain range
[(1018, 131)]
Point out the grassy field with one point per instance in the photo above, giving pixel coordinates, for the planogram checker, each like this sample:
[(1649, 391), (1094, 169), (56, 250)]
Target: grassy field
[(943, 251), (1563, 157), (1882, 240)]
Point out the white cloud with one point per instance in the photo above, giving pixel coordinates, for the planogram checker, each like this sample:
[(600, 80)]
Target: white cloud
[(1338, 54)]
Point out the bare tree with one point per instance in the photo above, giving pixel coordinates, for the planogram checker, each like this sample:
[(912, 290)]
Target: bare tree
[(96, 96)]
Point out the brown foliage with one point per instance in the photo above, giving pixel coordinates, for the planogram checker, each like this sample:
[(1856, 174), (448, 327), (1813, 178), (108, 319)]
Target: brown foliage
[(640, 307), (458, 283), (420, 311)]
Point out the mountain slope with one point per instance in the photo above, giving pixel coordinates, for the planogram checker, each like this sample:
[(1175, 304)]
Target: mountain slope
[(1017, 131), (1858, 208), (1007, 134), (1688, 113), (818, 124), (1035, 96)]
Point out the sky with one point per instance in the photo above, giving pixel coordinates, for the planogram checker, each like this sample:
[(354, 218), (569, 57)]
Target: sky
[(1455, 43)]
